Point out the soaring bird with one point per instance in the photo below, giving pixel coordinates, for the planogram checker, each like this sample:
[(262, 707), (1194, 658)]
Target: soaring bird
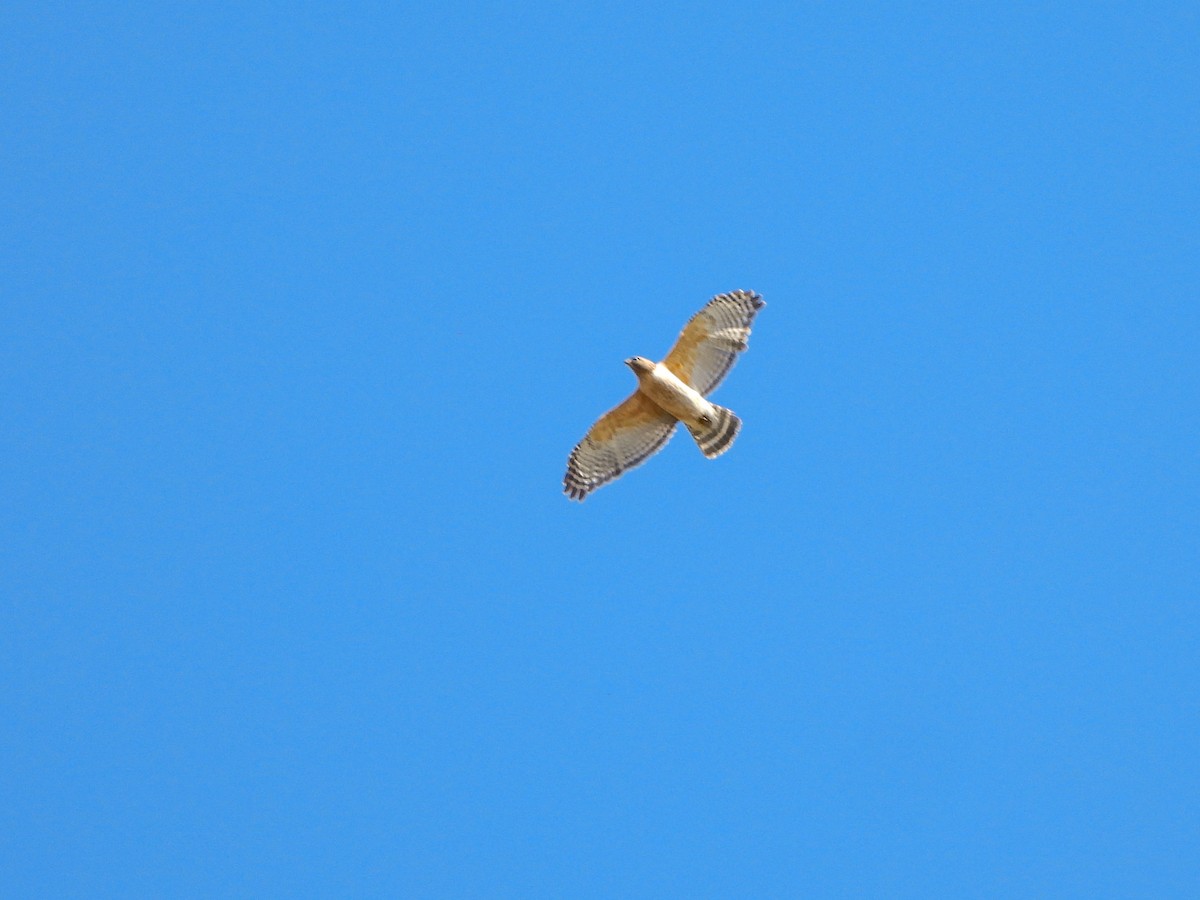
[(670, 392)]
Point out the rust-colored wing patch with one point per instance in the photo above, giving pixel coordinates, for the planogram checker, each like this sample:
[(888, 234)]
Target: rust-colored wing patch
[(709, 344), (624, 437)]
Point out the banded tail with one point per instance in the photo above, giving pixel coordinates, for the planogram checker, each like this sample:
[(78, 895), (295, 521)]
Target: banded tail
[(717, 436)]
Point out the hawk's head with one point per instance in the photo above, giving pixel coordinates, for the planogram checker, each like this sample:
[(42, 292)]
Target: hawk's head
[(640, 365)]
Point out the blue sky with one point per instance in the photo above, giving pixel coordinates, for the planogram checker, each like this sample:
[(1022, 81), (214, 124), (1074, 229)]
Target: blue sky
[(305, 306)]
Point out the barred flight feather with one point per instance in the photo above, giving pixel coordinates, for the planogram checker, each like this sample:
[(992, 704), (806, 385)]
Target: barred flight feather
[(717, 436), (709, 344)]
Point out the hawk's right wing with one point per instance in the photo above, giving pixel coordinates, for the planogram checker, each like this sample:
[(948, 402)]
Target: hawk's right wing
[(710, 342), (622, 438)]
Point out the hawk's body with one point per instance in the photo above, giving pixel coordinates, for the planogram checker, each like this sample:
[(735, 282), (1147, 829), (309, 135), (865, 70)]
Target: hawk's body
[(682, 401), (670, 392)]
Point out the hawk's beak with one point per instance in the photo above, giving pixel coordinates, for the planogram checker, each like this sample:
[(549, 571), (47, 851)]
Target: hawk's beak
[(629, 362)]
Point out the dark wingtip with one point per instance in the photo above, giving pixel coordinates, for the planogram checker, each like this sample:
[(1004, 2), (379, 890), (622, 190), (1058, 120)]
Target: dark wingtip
[(754, 297)]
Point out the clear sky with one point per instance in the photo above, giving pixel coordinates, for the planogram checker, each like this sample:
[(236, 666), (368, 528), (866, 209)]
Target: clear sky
[(303, 306)]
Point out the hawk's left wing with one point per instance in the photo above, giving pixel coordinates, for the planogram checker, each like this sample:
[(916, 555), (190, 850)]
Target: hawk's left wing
[(710, 342), (624, 437)]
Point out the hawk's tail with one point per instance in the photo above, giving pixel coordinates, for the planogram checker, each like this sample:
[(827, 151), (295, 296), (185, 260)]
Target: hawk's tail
[(715, 437)]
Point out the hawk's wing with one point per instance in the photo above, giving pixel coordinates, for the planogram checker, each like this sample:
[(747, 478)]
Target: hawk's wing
[(710, 342), (623, 437)]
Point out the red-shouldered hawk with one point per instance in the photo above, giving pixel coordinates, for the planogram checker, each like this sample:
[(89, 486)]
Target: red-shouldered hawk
[(669, 392)]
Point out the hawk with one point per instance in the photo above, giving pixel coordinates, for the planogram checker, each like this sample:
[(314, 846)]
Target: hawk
[(670, 392)]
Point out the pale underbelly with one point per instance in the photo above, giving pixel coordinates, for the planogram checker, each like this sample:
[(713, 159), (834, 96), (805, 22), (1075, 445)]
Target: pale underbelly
[(676, 397)]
